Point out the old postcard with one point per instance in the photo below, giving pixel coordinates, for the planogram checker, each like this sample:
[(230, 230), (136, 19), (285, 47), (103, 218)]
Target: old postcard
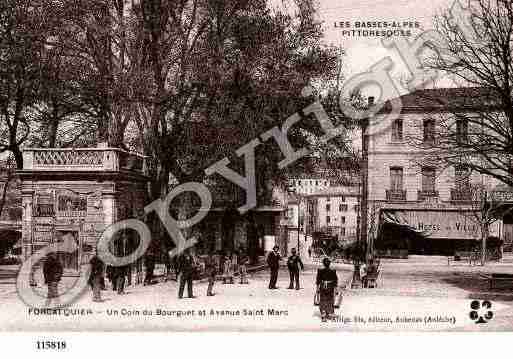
[(264, 165)]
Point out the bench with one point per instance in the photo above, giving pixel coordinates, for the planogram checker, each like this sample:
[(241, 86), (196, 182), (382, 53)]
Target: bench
[(464, 256), (499, 280)]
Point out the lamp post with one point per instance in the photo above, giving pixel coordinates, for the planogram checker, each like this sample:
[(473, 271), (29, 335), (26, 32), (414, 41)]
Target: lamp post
[(298, 221)]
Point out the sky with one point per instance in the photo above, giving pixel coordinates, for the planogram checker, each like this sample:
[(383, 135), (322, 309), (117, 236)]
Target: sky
[(363, 51)]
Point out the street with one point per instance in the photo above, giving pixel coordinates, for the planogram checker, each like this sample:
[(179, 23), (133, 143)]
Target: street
[(415, 295)]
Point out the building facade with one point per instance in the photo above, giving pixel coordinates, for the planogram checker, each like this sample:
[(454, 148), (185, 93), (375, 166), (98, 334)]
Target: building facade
[(407, 187), (334, 211), (70, 196), (308, 185)]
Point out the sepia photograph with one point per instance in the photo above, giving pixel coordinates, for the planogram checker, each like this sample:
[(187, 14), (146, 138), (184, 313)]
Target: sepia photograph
[(256, 166)]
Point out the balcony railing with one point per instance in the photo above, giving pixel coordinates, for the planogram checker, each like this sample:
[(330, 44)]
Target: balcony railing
[(395, 195), (426, 195), (460, 195), (87, 159)]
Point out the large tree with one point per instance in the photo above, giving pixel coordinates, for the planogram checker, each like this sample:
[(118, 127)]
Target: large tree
[(475, 125)]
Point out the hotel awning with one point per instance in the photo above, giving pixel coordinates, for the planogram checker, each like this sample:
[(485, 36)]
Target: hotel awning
[(438, 223)]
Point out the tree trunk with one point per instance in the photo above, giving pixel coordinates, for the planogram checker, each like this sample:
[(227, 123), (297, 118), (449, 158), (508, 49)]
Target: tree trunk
[(484, 236)]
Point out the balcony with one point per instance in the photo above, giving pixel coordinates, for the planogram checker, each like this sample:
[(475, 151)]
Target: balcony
[(459, 195), (395, 195), (427, 195), (82, 159)]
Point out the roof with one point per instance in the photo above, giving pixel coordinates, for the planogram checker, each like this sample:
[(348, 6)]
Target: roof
[(335, 191), (445, 99)]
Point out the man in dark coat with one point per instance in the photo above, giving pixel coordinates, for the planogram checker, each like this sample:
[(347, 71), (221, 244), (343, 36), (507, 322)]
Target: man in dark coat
[(273, 261), (96, 278), (149, 263), (120, 277), (294, 263), (52, 272), (186, 268)]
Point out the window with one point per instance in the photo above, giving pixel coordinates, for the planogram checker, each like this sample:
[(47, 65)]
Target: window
[(429, 131), (327, 199), (428, 179), (328, 219), (316, 183), (328, 207), (343, 231), (397, 130), (461, 177), (396, 179), (299, 182), (342, 207), (356, 208), (342, 199), (461, 131), (342, 220)]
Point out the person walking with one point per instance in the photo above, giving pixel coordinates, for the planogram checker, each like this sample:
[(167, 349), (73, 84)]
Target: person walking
[(273, 261), (294, 263), (186, 273), (96, 278), (326, 282), (211, 271), (52, 272)]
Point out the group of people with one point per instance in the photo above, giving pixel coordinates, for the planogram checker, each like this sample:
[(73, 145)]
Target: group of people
[(294, 265), (187, 267), (226, 264), (326, 280), (368, 270)]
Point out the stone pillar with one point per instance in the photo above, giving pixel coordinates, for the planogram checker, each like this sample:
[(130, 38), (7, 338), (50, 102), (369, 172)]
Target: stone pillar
[(27, 198), (109, 204)]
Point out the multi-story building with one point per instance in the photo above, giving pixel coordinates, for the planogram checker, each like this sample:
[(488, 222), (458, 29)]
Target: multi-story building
[(405, 186), (308, 185), (334, 211)]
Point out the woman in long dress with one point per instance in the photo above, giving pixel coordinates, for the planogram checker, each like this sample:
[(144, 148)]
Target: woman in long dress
[(327, 282)]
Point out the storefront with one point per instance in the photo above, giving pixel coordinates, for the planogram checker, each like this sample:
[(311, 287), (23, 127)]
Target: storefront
[(70, 196), (432, 231)]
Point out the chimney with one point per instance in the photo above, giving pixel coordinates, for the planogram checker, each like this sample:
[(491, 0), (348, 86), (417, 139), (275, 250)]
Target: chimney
[(370, 101)]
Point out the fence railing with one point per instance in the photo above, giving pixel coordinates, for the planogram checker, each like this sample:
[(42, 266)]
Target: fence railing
[(96, 159)]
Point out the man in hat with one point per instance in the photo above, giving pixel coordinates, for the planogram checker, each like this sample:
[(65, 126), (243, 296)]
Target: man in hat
[(294, 263), (273, 261), (186, 267), (52, 272)]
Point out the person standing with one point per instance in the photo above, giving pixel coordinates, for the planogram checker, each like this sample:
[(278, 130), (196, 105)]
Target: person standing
[(186, 269), (167, 262), (363, 274), (228, 269), (294, 263), (121, 272), (96, 278), (211, 271), (52, 272), (326, 282), (243, 272), (273, 261), (150, 267)]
